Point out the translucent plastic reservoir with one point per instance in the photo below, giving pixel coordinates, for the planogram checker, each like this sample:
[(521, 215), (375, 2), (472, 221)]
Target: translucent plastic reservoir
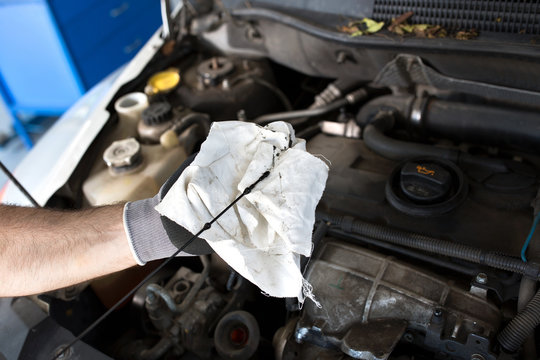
[(104, 187)]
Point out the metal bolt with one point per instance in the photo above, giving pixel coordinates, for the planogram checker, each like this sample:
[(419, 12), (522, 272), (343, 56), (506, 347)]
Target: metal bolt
[(214, 63), (477, 357), (341, 57), (60, 353), (344, 56), (225, 84), (450, 347), (151, 298), (408, 337), (481, 278)]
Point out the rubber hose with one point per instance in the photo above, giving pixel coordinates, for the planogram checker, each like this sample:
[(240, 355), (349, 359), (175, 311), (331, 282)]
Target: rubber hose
[(379, 116), (474, 123), (192, 119), (399, 106), (433, 245), (527, 289), (522, 326), (482, 124), (398, 150)]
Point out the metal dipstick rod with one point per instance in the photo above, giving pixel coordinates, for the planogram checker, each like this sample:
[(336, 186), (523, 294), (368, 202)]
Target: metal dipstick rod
[(205, 227), (18, 184)]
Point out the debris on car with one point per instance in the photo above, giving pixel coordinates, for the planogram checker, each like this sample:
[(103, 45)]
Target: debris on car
[(362, 27)]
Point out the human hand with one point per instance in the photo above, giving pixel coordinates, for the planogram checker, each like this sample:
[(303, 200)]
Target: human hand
[(263, 235), (152, 236)]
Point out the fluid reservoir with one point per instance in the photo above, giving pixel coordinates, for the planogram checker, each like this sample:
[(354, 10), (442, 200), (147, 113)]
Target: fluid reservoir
[(130, 107), (131, 171)]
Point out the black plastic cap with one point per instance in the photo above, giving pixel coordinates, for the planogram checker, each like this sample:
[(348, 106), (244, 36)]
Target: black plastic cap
[(157, 113), (425, 183)]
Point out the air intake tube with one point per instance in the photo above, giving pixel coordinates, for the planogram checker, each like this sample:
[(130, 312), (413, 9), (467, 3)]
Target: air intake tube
[(474, 123)]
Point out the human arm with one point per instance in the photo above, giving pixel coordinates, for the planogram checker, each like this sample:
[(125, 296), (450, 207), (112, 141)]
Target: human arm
[(275, 220), (42, 249)]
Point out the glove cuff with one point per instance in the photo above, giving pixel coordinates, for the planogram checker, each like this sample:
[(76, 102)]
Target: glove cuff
[(147, 238)]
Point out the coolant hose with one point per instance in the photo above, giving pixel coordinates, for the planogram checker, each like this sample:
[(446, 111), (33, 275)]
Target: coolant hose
[(522, 326), (466, 122), (383, 121), (482, 124), (398, 150), (432, 245), (379, 116)]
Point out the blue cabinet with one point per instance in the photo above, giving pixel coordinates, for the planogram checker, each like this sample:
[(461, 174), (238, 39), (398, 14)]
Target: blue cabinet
[(52, 51)]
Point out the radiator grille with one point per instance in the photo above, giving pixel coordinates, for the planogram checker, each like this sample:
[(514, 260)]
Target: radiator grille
[(515, 17)]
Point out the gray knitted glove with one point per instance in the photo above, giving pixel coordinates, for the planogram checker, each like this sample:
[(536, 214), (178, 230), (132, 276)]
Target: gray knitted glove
[(152, 236)]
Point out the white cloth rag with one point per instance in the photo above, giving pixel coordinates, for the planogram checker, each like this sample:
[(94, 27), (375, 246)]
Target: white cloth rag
[(264, 234)]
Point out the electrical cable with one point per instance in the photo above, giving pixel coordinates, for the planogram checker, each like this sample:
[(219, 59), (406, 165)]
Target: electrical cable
[(154, 272), (18, 185), (404, 251), (277, 91), (432, 245), (252, 76), (529, 237)]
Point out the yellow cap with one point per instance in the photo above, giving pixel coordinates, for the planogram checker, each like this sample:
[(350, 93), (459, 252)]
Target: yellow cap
[(163, 81)]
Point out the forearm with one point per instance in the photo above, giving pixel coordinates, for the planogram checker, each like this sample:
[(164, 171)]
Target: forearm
[(42, 250)]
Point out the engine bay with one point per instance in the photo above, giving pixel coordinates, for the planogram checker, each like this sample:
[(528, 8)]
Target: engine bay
[(418, 247)]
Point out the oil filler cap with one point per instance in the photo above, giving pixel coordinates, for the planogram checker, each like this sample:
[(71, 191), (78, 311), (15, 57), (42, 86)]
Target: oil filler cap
[(426, 187), (425, 183)]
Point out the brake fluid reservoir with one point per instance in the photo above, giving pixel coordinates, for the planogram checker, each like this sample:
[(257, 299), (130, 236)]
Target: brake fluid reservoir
[(131, 171)]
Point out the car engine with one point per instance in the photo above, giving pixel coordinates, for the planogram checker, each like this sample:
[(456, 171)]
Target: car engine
[(418, 247)]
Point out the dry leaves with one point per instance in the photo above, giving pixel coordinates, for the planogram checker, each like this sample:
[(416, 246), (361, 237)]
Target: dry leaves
[(466, 35), (421, 30), (401, 27), (365, 26)]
